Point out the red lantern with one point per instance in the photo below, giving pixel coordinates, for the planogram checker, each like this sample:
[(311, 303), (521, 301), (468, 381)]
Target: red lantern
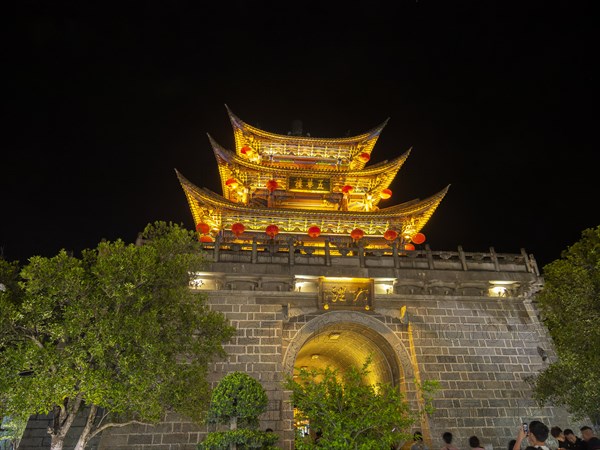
[(314, 231), (385, 194), (272, 231), (272, 185), (203, 227), (390, 235), (364, 157), (347, 189), (418, 238), (409, 247), (206, 238), (357, 234), (245, 150), (237, 228), (231, 183)]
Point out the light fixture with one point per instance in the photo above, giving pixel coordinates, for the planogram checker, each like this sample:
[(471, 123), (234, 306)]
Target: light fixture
[(334, 336), (500, 288), (314, 356), (198, 283), (498, 291)]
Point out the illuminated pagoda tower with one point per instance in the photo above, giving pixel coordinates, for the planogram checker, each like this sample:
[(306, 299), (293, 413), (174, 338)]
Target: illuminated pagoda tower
[(314, 269), (320, 192)]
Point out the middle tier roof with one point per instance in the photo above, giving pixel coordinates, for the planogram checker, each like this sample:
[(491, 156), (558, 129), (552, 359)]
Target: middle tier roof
[(301, 186)]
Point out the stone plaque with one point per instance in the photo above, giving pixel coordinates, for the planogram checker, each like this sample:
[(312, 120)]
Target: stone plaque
[(346, 294)]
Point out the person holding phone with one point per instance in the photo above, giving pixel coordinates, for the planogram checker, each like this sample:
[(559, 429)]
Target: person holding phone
[(536, 433)]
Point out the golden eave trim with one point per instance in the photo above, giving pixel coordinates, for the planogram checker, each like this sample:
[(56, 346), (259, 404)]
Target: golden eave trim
[(414, 207), (238, 123), (230, 157)]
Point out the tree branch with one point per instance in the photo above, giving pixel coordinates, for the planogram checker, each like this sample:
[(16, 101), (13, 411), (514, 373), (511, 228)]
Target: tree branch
[(117, 425)]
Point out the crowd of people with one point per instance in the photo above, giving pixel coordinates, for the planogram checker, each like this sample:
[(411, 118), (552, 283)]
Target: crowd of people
[(531, 436), (534, 435)]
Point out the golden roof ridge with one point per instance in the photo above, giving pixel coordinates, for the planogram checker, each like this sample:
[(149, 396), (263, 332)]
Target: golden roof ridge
[(236, 122)]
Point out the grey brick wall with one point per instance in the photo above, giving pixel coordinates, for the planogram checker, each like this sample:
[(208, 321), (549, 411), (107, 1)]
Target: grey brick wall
[(480, 348)]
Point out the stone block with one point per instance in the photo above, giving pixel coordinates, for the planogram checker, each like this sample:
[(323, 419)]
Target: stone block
[(138, 439), (110, 439), (175, 438)]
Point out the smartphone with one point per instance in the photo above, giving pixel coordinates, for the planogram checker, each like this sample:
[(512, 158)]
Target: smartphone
[(525, 428)]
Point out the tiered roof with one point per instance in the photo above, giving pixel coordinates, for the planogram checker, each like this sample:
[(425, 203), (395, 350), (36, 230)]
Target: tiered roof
[(299, 182), (304, 150), (255, 174)]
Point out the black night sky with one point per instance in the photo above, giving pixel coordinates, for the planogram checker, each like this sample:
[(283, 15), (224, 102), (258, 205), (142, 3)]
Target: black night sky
[(104, 101)]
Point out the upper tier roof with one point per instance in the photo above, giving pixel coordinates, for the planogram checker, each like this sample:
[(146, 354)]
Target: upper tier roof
[(285, 149)]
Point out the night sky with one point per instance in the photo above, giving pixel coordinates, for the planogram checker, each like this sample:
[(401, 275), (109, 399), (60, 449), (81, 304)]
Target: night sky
[(104, 101)]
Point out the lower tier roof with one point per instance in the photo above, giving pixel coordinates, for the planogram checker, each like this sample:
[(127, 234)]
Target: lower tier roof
[(220, 214)]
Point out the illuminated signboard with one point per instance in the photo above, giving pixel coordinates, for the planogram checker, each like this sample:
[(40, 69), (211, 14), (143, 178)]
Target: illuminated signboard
[(346, 293), (309, 184)]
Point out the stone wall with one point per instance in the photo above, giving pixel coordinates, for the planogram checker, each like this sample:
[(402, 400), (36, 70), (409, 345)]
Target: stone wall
[(481, 349), (255, 349), (437, 322)]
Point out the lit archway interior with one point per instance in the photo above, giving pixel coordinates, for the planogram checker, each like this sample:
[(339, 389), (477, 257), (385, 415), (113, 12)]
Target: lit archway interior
[(345, 344)]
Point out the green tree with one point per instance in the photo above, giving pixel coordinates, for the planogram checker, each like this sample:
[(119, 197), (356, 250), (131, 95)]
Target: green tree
[(350, 413), (117, 333), (11, 431), (237, 401), (569, 303)]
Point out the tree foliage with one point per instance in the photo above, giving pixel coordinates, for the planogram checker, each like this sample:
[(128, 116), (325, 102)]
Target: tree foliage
[(569, 303), (118, 331), (238, 400), (351, 413), (11, 431)]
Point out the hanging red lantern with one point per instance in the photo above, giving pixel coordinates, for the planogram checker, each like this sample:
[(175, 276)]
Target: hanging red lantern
[(409, 247), (203, 227), (272, 231), (364, 157), (314, 231), (237, 228), (206, 238), (272, 185), (418, 238), (245, 150), (357, 234), (390, 235), (347, 189), (385, 194), (232, 183)]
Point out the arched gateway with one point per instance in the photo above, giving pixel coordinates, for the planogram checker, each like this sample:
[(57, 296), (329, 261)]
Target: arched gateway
[(344, 338), (312, 270)]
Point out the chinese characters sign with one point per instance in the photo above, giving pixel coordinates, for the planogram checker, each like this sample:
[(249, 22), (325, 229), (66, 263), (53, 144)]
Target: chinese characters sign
[(309, 184), (341, 294)]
